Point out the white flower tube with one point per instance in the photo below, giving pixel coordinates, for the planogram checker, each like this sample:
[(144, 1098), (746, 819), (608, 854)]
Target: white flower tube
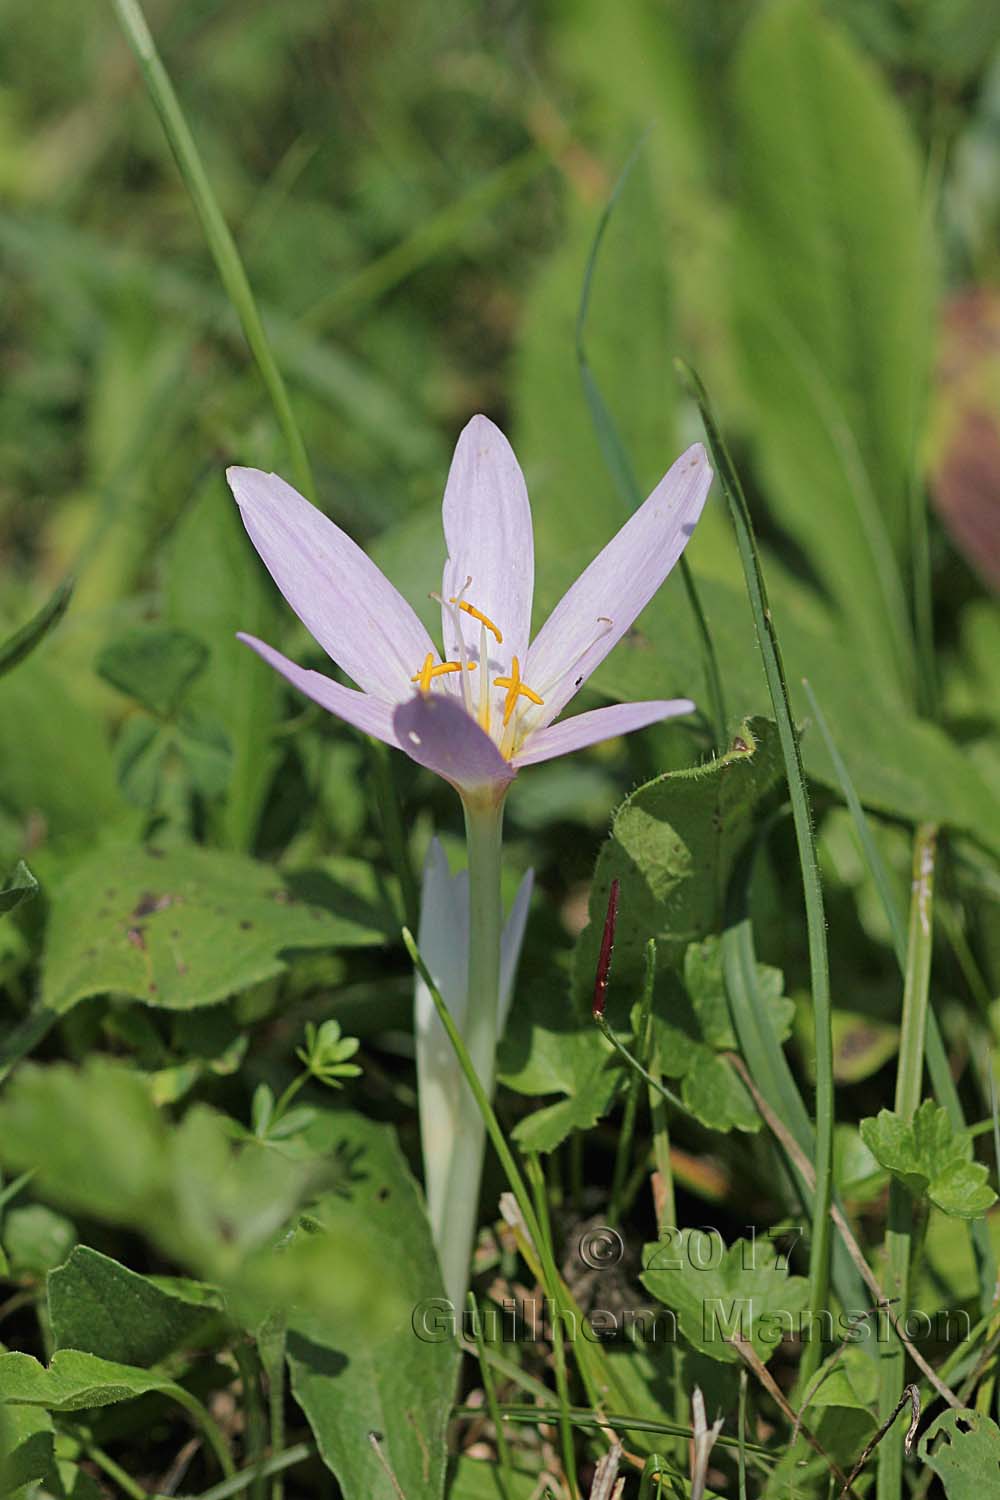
[(451, 1128)]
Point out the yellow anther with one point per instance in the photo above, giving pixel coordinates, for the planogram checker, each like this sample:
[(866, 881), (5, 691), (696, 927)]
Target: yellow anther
[(515, 688), (477, 614), (430, 670)]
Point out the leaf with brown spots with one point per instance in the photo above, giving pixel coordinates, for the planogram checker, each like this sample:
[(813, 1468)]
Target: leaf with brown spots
[(183, 927)]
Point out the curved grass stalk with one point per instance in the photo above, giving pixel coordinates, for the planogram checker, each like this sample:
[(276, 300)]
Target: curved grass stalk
[(767, 640), (619, 467), (217, 232)]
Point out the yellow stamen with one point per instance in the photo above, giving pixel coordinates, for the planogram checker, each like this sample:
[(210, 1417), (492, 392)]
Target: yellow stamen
[(429, 671), (515, 688), (477, 614)]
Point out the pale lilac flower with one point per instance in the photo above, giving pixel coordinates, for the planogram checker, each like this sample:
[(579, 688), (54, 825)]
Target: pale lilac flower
[(485, 708)]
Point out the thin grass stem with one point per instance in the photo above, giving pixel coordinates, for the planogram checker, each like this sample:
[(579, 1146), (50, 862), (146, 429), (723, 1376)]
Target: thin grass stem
[(627, 1132), (492, 1405), (217, 233), (547, 1256), (767, 640), (909, 1080), (937, 1057)]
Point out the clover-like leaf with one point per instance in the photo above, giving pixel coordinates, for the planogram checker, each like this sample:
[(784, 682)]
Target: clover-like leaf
[(721, 1295), (931, 1158), (326, 1052), (155, 664)]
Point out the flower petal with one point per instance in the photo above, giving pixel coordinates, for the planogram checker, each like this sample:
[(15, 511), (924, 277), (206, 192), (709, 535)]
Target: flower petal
[(368, 714), (437, 733), (338, 593), (487, 528), (510, 947), (596, 725), (603, 602)]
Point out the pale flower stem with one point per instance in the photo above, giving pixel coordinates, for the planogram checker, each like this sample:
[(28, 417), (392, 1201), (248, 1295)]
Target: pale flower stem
[(483, 826)]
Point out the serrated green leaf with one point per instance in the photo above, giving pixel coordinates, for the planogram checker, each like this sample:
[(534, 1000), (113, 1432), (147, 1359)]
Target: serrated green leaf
[(931, 1158), (178, 928), (390, 1380), (719, 1293), (155, 665), (963, 1449), (21, 886), (592, 1095), (102, 1308)]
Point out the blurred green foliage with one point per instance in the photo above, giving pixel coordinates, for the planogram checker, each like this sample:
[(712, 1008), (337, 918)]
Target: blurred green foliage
[(810, 216)]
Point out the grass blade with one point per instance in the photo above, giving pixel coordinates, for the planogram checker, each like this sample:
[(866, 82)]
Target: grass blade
[(620, 468), (217, 233), (909, 1079), (767, 640), (937, 1058), (21, 644)]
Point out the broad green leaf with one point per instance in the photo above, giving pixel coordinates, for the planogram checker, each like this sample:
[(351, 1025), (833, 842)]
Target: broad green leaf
[(900, 765), (178, 928), (21, 886), (55, 762), (93, 1136), (547, 1053), (860, 1045), (102, 1308), (629, 343), (703, 980), (833, 277), (963, 1449), (857, 1174), (21, 644), (74, 1381), (476, 1479), (716, 1096), (672, 847), (931, 1158), (215, 587), (590, 1096), (216, 1207), (849, 1378), (389, 1379), (718, 1294), (26, 1447), (36, 1239), (77, 1483), (155, 665)]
